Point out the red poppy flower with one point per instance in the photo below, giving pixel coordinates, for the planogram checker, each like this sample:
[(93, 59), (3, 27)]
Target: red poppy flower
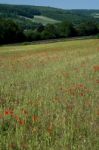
[(96, 68), (8, 112), (81, 94), (21, 122), (97, 81)]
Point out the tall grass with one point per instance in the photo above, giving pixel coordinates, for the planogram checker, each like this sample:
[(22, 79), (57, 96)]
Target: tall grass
[(49, 96)]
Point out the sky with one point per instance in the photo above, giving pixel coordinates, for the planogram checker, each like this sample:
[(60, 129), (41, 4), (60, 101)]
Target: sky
[(65, 4)]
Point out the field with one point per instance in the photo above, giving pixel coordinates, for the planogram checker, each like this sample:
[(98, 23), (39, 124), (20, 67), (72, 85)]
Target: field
[(44, 20), (49, 96), (96, 15), (41, 19)]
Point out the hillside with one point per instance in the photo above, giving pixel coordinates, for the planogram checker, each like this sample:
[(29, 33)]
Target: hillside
[(39, 13), (96, 15), (44, 20)]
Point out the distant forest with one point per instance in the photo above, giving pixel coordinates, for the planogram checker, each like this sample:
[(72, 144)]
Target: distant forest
[(17, 25)]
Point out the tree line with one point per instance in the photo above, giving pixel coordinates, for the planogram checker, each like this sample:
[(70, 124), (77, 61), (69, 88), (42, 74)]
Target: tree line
[(21, 10), (12, 32), (58, 14)]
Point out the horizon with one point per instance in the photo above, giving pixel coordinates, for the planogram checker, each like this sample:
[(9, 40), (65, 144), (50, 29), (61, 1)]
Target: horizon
[(65, 4), (50, 6)]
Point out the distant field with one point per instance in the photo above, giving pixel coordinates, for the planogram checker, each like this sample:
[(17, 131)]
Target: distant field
[(49, 96), (44, 20), (41, 19), (96, 15)]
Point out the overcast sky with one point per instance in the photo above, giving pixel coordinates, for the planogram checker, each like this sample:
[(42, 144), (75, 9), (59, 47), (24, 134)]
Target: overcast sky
[(67, 4)]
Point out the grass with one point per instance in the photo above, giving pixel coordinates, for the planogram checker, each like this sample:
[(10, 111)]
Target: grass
[(49, 96), (96, 15), (44, 20)]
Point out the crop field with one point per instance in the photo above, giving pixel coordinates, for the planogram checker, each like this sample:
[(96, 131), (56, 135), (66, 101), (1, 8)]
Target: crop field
[(44, 20), (96, 15), (49, 96)]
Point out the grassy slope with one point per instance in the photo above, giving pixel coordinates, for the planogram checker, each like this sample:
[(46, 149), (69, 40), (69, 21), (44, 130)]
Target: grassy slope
[(44, 20), (49, 96), (38, 19), (96, 15), (75, 16)]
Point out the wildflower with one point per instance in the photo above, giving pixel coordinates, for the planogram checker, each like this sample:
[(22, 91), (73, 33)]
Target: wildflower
[(98, 113), (97, 81), (34, 118), (1, 116), (81, 94), (81, 85), (96, 68), (21, 122), (50, 128), (8, 112)]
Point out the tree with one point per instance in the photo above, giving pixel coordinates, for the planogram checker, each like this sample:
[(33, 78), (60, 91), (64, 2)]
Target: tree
[(50, 32), (87, 28), (32, 35), (66, 29), (40, 28), (10, 32)]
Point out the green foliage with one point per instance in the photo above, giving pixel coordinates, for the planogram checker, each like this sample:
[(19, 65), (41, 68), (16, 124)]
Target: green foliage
[(75, 16), (98, 36), (27, 11), (50, 32), (17, 23), (88, 28), (26, 23), (10, 32), (32, 35), (47, 14), (40, 28), (66, 29)]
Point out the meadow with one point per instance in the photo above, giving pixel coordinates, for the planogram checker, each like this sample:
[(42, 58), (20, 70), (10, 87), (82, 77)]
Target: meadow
[(49, 96), (44, 20)]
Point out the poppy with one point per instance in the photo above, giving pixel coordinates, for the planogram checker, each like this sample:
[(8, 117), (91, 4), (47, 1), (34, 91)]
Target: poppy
[(8, 112)]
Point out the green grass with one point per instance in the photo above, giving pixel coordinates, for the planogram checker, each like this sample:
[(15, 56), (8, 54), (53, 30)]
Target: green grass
[(44, 20), (49, 96), (96, 15)]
